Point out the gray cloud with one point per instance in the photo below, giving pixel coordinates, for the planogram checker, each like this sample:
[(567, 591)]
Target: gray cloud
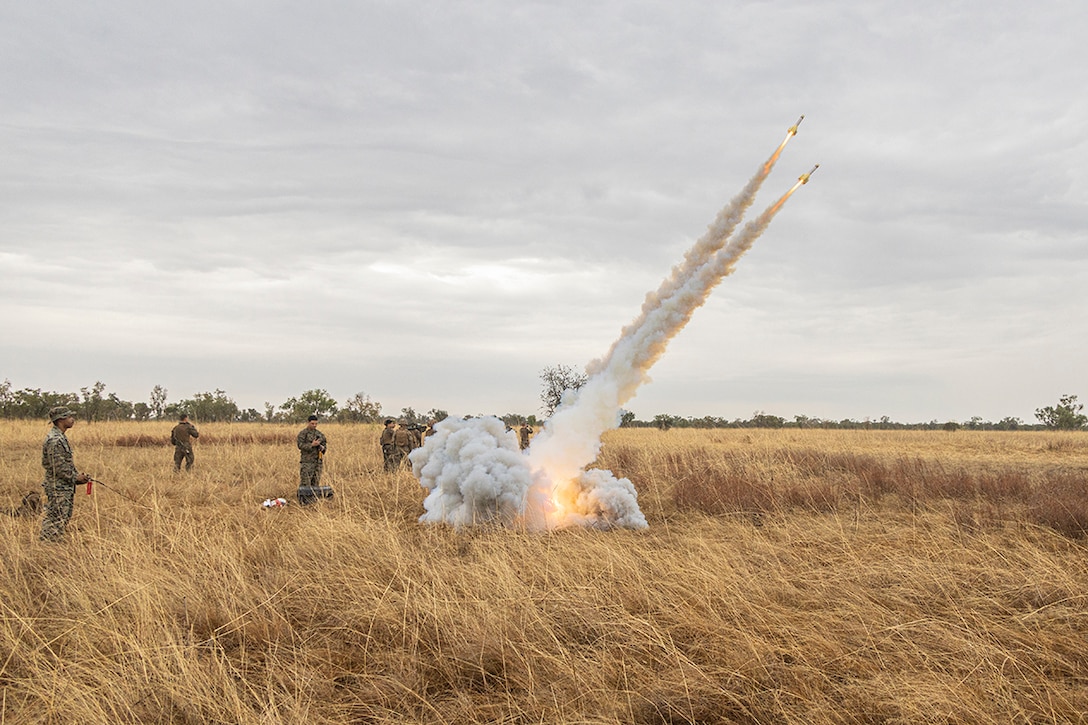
[(431, 203)]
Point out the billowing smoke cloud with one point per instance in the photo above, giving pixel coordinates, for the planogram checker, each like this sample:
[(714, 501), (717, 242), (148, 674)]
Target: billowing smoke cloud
[(474, 472), (473, 469)]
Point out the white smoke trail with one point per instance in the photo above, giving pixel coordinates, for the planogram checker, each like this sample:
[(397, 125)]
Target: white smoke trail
[(473, 469), (638, 350), (702, 250), (571, 439)]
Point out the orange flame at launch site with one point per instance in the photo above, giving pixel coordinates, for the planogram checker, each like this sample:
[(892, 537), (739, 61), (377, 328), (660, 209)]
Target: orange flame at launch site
[(571, 437), (473, 469)]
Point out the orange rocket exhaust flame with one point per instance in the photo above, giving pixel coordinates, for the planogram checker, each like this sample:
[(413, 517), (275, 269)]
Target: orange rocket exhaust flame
[(790, 133), (773, 208), (801, 181)]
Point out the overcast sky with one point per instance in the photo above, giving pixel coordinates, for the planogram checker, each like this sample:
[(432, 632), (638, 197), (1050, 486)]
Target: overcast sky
[(430, 202)]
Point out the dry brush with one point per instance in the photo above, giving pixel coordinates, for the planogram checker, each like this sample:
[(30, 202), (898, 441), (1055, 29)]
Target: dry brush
[(787, 576)]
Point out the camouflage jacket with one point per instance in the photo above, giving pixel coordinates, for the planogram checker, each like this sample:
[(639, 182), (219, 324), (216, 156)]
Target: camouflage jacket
[(57, 458), (402, 439), (305, 442), (182, 434)]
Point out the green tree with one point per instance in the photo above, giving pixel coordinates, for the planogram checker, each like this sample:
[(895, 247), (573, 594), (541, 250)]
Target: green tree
[(207, 407), (1065, 415), (440, 415), (359, 408), (558, 383), (93, 407), (312, 402), (664, 421), (35, 403), (765, 420), (116, 409)]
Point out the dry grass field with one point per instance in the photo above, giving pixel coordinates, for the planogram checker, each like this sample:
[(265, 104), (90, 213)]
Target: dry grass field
[(789, 576)]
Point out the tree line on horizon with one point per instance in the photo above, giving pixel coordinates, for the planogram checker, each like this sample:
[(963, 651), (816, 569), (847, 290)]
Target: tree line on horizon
[(93, 403)]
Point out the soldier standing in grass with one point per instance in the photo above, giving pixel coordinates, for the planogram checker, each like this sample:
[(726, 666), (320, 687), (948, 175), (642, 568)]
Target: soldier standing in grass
[(312, 446), (403, 442), (182, 437), (416, 434), (523, 435), (61, 477), (388, 447)]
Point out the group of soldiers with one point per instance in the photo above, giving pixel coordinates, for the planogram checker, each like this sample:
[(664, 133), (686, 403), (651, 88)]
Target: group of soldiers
[(398, 439)]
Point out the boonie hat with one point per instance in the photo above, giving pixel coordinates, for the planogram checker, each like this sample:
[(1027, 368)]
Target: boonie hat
[(59, 412)]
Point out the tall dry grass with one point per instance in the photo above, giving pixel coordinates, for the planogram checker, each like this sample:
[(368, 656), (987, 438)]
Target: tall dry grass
[(786, 577)]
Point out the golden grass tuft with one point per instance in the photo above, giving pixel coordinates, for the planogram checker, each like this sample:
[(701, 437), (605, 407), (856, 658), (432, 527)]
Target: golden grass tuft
[(787, 576)]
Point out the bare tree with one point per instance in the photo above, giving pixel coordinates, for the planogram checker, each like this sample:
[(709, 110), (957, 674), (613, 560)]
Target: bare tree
[(557, 381), (158, 401)]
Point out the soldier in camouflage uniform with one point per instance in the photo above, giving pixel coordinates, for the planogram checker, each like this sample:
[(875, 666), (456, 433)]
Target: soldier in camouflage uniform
[(388, 448), (312, 446), (523, 435), (61, 477), (415, 432), (181, 436), (403, 443)]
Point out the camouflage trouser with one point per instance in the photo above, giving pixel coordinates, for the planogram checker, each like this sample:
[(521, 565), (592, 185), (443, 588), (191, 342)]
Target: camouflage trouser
[(183, 453), (58, 508), (309, 471), (399, 457)]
